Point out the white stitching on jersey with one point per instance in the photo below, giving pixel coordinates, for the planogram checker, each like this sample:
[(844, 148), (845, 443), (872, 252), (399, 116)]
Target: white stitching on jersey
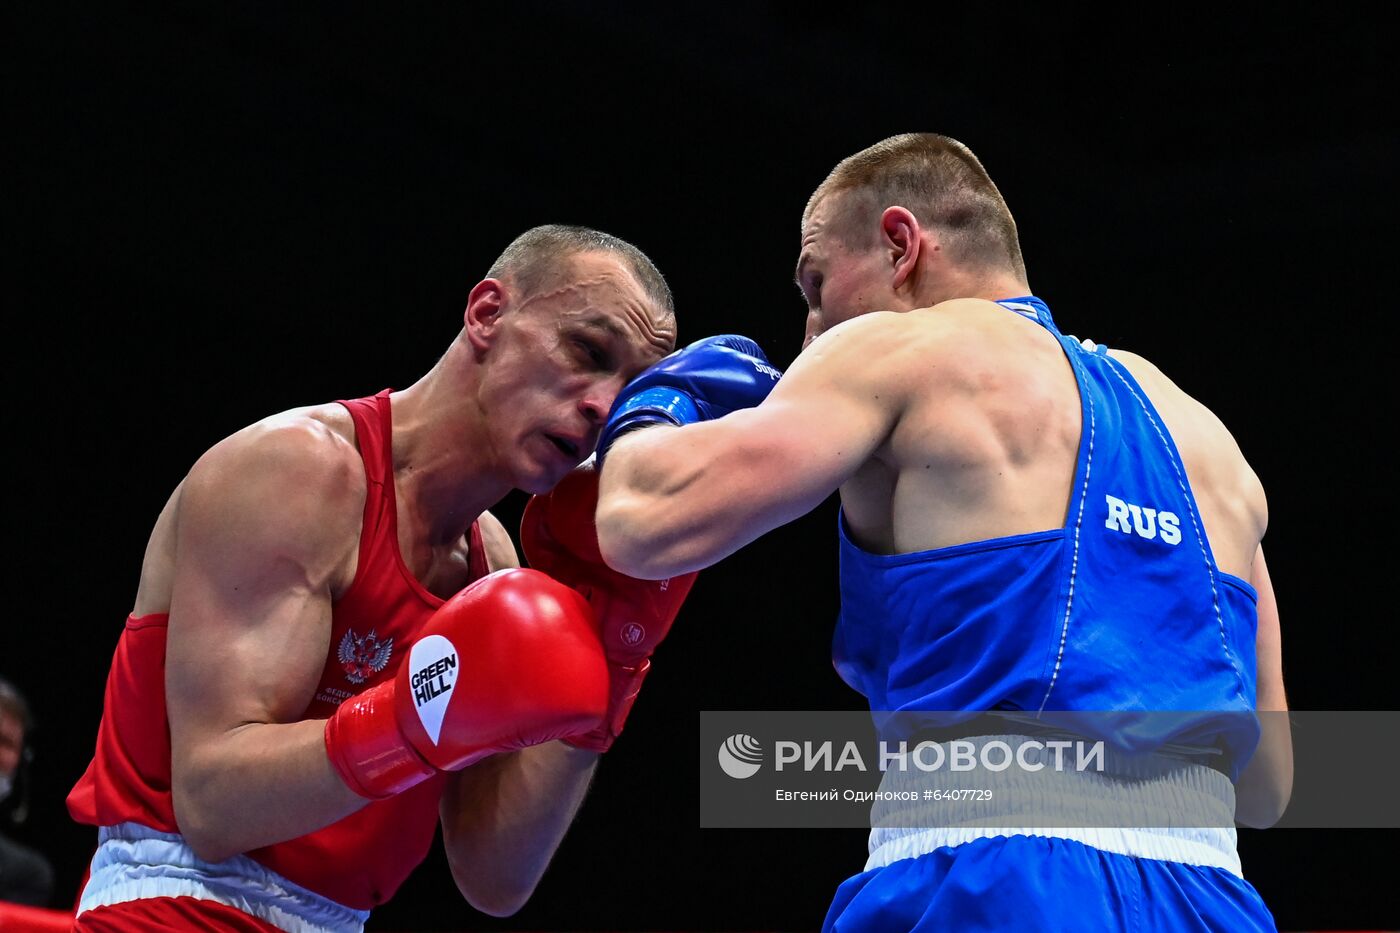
[(1079, 520), (1196, 526), (1025, 310)]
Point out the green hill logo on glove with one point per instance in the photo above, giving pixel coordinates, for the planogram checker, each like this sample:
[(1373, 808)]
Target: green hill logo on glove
[(433, 661)]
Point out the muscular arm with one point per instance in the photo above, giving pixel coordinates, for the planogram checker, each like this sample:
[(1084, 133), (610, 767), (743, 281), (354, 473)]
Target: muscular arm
[(674, 500), (266, 519), (1267, 781), (503, 818)]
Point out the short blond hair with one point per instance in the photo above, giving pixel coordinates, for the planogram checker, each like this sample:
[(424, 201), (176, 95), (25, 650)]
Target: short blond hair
[(941, 182)]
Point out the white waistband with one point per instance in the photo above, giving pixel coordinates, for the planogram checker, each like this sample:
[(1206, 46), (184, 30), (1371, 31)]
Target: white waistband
[(1145, 806), (134, 862)]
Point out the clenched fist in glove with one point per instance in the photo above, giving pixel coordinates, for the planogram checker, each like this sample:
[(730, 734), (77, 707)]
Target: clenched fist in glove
[(559, 538), (705, 380), (510, 661)]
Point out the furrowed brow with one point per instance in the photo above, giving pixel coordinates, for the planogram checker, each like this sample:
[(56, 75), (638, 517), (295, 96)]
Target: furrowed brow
[(603, 324)]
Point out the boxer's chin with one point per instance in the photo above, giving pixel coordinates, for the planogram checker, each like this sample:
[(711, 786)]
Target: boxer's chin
[(536, 487), (539, 478), (536, 479), (541, 465)]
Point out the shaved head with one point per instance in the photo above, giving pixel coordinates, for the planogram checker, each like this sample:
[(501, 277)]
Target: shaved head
[(936, 178)]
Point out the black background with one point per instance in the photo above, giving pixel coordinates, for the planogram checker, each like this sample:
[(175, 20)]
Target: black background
[(219, 211)]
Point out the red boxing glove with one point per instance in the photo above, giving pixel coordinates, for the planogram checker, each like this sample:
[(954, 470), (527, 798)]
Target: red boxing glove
[(560, 537), (511, 661)]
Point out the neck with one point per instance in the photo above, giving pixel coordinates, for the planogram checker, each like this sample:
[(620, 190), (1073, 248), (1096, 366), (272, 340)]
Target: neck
[(445, 470), (965, 282)]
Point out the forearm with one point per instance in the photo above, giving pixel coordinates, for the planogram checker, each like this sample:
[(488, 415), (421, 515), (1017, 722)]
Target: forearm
[(667, 497), (255, 785), (503, 819), (1266, 784)]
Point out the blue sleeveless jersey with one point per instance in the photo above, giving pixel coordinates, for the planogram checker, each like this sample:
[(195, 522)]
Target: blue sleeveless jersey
[(1121, 609)]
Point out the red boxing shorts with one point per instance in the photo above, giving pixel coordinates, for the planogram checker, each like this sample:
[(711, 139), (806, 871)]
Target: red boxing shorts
[(173, 914)]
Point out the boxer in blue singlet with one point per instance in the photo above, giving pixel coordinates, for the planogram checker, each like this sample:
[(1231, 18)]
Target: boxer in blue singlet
[(1030, 523)]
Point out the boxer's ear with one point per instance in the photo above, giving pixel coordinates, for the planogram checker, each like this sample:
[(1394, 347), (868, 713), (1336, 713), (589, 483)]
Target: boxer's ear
[(900, 238), (482, 316)]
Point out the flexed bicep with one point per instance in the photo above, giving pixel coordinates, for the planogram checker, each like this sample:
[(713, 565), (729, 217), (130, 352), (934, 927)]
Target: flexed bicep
[(266, 522)]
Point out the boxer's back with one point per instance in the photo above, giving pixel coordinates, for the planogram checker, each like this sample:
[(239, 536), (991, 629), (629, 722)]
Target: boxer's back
[(987, 443)]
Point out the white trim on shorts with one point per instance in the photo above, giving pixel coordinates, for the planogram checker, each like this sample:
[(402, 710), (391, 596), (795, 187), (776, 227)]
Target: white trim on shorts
[(133, 862), (1133, 795)]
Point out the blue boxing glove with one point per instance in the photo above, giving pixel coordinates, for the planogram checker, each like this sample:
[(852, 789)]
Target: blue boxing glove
[(705, 380)]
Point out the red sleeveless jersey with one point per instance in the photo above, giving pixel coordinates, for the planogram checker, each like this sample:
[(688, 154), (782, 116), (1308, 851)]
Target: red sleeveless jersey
[(361, 860)]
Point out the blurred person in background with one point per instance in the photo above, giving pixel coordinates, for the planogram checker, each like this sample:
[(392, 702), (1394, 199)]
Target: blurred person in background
[(26, 877)]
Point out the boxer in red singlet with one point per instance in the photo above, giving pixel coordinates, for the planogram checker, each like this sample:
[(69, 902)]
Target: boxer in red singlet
[(330, 654)]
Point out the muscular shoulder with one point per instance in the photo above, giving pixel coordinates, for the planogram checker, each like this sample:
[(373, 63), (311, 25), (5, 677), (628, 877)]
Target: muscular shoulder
[(1212, 456), (873, 352), (873, 330), (968, 332), (953, 344), (977, 332), (949, 352), (290, 486), (1171, 400), (297, 454)]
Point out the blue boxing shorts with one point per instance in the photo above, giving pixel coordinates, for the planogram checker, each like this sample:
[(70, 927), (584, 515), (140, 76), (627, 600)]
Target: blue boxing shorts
[(982, 867), (1043, 883)]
